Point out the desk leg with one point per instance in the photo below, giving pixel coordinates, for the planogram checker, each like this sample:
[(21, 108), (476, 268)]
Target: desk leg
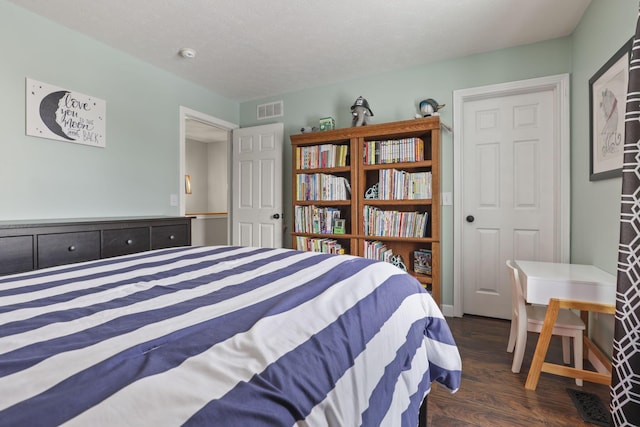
[(543, 344)]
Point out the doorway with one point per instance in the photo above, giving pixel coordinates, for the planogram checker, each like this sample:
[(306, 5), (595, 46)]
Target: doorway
[(205, 143), (512, 140)]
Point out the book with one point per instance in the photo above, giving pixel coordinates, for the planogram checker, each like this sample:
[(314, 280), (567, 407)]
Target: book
[(422, 261)]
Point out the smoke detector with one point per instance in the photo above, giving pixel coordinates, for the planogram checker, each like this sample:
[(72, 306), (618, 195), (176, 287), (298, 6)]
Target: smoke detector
[(187, 52)]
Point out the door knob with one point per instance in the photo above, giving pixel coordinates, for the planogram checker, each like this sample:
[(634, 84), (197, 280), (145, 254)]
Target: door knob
[(275, 216), (470, 218)]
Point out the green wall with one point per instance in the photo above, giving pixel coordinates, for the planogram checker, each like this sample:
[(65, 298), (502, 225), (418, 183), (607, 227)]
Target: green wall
[(394, 96), (595, 206), (136, 172)]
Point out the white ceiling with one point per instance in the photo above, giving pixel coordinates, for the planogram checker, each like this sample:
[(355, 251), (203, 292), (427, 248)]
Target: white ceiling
[(251, 49)]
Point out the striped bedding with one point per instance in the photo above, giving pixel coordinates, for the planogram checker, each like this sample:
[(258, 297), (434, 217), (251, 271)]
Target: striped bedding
[(220, 336)]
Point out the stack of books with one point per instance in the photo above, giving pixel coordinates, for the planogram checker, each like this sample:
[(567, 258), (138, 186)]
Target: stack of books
[(374, 249), (329, 246), (321, 156), (322, 186), (316, 220), (379, 222), (393, 151), (401, 185)]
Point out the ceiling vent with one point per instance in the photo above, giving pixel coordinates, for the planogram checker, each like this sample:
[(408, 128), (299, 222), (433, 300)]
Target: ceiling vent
[(270, 110)]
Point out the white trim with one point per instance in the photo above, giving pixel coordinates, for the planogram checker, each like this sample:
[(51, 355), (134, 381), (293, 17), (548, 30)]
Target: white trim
[(559, 84), (187, 113), (447, 310)]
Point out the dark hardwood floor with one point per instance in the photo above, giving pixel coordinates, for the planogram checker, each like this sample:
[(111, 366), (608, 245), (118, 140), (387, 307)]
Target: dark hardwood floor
[(491, 395)]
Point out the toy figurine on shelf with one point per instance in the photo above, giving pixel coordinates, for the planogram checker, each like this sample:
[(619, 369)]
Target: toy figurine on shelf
[(361, 112), (429, 107)]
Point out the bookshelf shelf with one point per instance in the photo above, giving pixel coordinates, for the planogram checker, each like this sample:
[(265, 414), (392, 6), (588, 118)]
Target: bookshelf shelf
[(411, 139), (398, 202), (403, 165)]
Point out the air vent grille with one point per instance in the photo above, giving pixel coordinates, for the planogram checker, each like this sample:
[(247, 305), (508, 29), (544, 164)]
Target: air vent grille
[(270, 110)]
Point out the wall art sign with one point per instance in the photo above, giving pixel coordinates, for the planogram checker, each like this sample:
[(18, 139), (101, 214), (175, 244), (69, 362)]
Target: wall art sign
[(64, 115), (607, 100)]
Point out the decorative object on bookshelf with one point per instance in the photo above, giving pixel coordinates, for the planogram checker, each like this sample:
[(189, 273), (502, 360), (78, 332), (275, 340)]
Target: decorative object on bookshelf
[(339, 226), (422, 261), (429, 107), (397, 261), (361, 112), (372, 192), (308, 129), (327, 123)]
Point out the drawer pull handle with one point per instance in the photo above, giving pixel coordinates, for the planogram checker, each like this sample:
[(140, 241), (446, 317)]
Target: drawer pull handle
[(129, 242), (172, 237), (72, 248)]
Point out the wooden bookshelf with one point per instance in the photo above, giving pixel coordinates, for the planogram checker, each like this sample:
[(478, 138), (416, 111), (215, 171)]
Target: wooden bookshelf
[(404, 141)]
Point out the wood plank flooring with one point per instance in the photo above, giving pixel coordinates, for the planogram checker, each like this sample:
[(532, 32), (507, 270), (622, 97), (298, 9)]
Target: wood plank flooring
[(491, 395)]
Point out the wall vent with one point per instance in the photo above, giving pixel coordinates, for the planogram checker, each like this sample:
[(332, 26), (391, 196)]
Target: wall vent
[(270, 110)]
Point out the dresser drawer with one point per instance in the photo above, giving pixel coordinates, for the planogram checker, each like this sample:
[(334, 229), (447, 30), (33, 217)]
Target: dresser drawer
[(124, 241), (16, 253), (67, 248), (168, 236)]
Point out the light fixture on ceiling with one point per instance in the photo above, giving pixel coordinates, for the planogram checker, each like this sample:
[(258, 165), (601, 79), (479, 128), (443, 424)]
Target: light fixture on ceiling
[(187, 52)]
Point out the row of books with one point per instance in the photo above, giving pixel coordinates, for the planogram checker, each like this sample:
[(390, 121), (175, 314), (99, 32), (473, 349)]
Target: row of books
[(374, 249), (313, 219), (378, 222), (311, 244), (322, 186), (401, 185), (393, 151), (422, 258), (321, 156)]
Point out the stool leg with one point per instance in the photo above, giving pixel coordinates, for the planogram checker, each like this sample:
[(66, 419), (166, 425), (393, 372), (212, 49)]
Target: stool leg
[(566, 350), (578, 354)]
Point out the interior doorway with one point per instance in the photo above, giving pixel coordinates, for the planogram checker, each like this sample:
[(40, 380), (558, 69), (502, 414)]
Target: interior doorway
[(205, 149)]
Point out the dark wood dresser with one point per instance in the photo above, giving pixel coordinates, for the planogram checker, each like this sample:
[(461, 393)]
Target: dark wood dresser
[(30, 245)]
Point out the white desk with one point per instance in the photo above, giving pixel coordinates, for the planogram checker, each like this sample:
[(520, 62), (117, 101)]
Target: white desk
[(575, 286), (546, 280)]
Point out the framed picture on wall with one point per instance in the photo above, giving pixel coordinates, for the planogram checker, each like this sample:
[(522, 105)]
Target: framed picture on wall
[(607, 101)]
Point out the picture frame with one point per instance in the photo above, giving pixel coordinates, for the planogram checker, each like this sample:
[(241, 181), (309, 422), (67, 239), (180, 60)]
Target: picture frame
[(607, 102)]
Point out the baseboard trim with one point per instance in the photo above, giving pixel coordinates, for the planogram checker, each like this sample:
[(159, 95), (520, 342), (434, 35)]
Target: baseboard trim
[(447, 310)]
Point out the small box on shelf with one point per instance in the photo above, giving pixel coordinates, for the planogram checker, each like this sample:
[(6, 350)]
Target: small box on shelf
[(422, 261), (327, 123)]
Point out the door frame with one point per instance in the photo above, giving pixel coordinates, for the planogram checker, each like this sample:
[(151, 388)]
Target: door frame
[(559, 85), (189, 114)]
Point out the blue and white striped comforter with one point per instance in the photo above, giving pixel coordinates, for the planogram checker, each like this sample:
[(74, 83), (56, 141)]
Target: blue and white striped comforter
[(220, 336)]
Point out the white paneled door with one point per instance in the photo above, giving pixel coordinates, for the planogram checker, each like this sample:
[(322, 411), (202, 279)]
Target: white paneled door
[(257, 186), (509, 201)]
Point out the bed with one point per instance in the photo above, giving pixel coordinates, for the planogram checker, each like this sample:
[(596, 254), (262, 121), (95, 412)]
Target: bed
[(220, 336)]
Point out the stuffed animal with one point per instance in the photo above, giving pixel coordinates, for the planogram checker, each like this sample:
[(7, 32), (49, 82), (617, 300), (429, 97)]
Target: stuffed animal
[(429, 107), (361, 112)]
